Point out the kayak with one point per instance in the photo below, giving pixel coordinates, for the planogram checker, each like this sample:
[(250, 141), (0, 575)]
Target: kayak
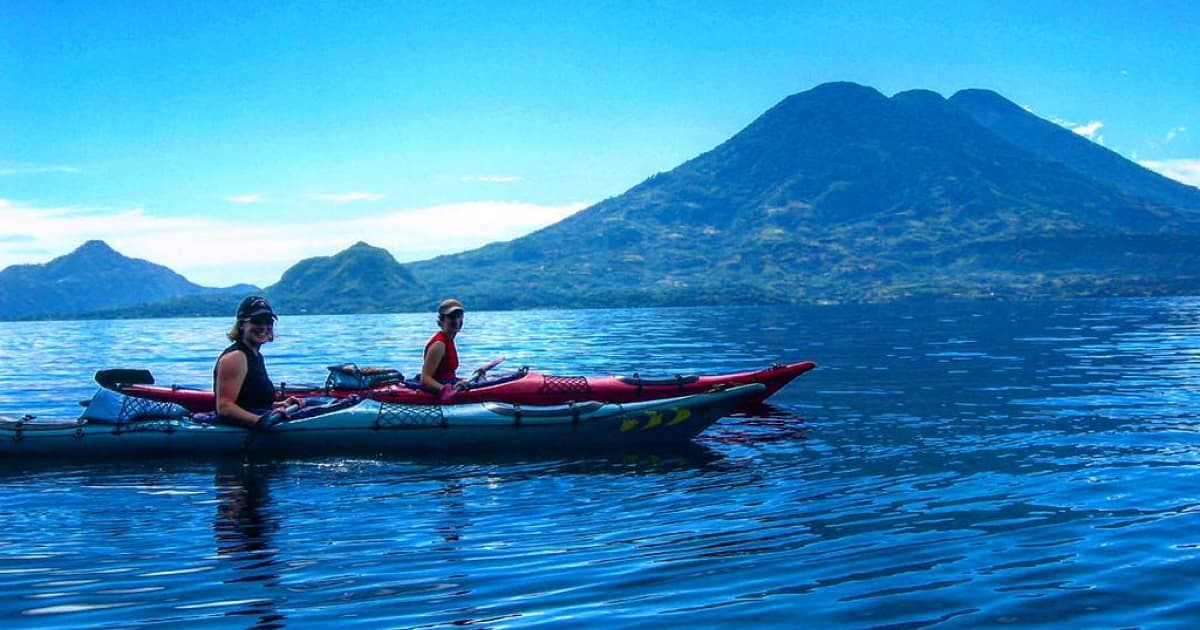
[(522, 386), (114, 425)]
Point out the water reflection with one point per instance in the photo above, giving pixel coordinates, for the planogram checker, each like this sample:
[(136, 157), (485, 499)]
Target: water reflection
[(762, 423), (635, 460), (243, 529), (454, 515)]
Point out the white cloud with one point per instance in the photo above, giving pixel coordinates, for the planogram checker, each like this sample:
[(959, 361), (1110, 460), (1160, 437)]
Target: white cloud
[(491, 179), (208, 252), (420, 233), (1186, 171), (36, 235), (9, 169), (1172, 134), (346, 197), (1088, 130), (247, 198)]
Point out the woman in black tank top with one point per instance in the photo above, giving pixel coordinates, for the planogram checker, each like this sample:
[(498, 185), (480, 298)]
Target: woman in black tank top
[(245, 393)]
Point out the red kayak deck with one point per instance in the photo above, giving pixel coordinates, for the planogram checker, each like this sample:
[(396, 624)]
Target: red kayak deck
[(527, 388)]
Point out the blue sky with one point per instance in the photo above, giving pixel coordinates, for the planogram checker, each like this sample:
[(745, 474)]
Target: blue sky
[(229, 140)]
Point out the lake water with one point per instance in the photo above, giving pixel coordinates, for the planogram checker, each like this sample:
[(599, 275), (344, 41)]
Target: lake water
[(955, 466)]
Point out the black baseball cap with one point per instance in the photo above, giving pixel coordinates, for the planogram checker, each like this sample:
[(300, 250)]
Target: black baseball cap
[(253, 306)]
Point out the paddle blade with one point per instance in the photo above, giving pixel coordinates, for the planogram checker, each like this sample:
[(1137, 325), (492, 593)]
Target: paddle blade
[(112, 379)]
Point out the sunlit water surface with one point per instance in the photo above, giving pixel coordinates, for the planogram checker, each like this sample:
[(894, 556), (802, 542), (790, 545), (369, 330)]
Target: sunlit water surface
[(946, 466)]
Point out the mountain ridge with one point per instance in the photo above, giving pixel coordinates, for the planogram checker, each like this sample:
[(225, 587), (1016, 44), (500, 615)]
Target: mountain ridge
[(361, 278), (1053, 142), (93, 277), (838, 193), (835, 194)]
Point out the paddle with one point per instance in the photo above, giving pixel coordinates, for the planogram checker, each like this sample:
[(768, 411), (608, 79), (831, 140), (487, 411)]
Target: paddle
[(481, 372), (276, 417), (112, 379)]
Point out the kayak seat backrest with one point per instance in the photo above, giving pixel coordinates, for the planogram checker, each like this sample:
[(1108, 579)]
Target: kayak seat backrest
[(109, 407), (642, 381), (542, 411)]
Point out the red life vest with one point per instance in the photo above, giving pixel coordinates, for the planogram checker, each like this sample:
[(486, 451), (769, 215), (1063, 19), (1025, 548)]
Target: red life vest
[(446, 370)]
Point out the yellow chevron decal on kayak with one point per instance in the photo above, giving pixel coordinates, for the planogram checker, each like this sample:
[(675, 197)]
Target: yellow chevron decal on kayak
[(680, 416), (654, 419)]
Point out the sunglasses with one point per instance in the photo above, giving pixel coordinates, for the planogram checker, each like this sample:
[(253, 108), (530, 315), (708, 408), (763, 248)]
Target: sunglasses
[(263, 320)]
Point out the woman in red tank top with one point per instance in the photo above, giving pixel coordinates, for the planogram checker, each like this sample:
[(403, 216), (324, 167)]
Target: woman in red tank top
[(438, 371)]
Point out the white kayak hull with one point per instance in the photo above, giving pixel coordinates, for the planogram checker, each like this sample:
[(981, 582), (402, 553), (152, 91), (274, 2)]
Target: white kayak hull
[(114, 429)]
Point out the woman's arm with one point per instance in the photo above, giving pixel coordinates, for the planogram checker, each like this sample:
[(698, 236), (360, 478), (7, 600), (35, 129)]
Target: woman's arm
[(433, 358)]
